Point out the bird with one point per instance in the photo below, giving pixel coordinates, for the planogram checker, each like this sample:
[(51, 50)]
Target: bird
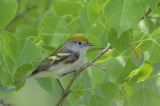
[(64, 60)]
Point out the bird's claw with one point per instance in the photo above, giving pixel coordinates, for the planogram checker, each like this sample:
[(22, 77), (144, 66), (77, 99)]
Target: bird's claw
[(76, 74), (65, 93)]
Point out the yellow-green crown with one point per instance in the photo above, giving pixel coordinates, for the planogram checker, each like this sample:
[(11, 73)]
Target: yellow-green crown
[(78, 37)]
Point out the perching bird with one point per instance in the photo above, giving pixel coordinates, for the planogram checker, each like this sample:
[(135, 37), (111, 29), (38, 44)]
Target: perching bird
[(64, 60)]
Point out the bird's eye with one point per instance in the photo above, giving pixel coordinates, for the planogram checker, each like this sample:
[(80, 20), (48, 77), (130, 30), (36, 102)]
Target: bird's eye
[(79, 43)]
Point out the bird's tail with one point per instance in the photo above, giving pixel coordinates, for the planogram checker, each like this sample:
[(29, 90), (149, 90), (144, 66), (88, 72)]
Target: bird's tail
[(22, 79)]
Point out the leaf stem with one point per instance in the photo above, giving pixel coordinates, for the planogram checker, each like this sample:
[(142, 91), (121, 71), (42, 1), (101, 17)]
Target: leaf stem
[(80, 90)]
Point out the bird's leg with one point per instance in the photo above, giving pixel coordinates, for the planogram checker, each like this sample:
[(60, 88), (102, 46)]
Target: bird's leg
[(60, 85), (75, 74), (63, 91), (68, 73)]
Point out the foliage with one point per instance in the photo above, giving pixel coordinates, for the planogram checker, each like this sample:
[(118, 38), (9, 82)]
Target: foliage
[(31, 30)]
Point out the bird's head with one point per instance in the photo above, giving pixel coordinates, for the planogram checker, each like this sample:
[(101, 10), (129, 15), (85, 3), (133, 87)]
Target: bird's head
[(78, 42)]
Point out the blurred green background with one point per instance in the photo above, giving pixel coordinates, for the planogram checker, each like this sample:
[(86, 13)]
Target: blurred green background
[(30, 30)]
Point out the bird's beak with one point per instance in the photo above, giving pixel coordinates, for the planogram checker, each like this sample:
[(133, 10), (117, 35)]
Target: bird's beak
[(89, 44)]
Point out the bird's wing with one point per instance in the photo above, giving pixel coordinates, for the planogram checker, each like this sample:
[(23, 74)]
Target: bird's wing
[(59, 55)]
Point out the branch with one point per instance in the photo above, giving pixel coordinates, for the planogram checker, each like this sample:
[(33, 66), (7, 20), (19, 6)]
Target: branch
[(6, 103), (103, 69), (20, 15), (149, 11), (96, 48), (67, 91)]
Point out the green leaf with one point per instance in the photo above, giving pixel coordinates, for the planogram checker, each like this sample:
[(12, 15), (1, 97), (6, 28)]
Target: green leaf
[(26, 31), (151, 54), (122, 99), (98, 101), (75, 96), (28, 52), (11, 45), (122, 14), (119, 68), (103, 36), (7, 10), (62, 27), (98, 29), (145, 97), (152, 3), (109, 89), (97, 75), (130, 90), (66, 8), (84, 17), (22, 72), (115, 53), (49, 24), (119, 43), (54, 41), (146, 25), (104, 57), (6, 88), (86, 102), (46, 84), (85, 80), (95, 8), (93, 39), (53, 25), (142, 73), (3, 77), (54, 30)]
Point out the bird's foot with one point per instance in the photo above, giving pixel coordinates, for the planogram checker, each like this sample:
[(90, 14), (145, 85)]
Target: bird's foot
[(76, 74), (65, 93)]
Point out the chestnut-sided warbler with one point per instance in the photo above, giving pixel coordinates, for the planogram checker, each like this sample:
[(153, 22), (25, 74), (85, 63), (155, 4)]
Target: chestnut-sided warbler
[(64, 60)]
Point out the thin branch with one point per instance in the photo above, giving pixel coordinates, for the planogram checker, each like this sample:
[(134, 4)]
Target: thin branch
[(81, 90), (149, 11), (67, 91), (20, 15), (96, 48), (6, 103), (103, 69), (37, 58)]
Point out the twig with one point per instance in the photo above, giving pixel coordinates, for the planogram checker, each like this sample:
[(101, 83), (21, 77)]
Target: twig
[(6, 103), (78, 72), (96, 48), (20, 15), (37, 58), (149, 11), (103, 69), (81, 90)]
